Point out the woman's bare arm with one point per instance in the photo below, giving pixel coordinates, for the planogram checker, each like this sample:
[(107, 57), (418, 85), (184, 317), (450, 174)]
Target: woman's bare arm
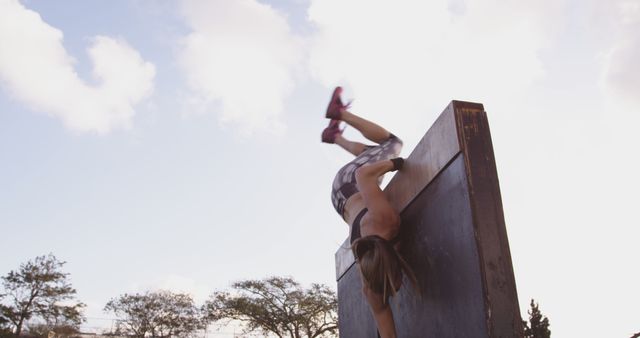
[(381, 313), (380, 210)]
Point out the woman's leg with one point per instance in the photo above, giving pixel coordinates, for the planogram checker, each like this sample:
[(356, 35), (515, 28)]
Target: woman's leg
[(356, 148), (368, 129)]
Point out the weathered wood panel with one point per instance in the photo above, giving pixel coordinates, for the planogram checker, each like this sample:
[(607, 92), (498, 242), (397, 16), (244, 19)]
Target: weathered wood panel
[(439, 243), (488, 219)]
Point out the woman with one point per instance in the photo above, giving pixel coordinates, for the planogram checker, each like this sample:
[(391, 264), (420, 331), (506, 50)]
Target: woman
[(374, 223)]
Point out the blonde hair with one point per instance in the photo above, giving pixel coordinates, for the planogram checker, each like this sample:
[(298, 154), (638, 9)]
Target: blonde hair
[(381, 265)]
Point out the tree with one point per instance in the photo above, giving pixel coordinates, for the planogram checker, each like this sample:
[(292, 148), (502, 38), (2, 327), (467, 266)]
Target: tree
[(61, 320), (278, 305), (44, 330), (156, 314), (40, 289), (5, 330), (538, 325)]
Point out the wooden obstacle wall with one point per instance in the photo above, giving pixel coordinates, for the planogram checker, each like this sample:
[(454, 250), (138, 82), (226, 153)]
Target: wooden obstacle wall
[(453, 236)]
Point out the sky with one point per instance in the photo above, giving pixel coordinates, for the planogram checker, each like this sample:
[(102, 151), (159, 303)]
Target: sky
[(176, 144)]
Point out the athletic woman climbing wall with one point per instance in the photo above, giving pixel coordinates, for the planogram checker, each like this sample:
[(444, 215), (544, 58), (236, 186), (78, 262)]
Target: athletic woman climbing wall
[(374, 223)]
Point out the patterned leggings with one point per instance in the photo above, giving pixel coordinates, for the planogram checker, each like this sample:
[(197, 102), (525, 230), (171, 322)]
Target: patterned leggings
[(344, 185)]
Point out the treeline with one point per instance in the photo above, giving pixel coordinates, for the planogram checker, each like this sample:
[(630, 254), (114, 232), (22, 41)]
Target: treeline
[(37, 300)]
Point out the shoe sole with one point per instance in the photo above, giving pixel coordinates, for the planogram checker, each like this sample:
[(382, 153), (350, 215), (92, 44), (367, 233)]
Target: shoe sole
[(333, 105)]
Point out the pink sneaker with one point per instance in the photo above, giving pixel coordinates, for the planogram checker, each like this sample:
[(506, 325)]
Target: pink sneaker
[(334, 110), (329, 133)]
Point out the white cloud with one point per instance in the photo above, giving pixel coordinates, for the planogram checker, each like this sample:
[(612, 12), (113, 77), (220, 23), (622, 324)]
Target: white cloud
[(36, 69), (242, 55), (410, 54), (621, 75)]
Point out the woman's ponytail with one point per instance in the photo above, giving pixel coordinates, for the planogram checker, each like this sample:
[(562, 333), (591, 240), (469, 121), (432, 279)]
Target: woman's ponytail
[(381, 265)]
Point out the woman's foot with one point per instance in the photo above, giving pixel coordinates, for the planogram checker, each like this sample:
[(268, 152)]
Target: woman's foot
[(335, 108), (329, 133)]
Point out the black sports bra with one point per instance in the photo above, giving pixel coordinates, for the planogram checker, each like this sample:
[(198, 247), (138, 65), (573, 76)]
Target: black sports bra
[(355, 228)]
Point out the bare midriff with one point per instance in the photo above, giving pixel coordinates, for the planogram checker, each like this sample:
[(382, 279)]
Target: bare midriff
[(352, 207)]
